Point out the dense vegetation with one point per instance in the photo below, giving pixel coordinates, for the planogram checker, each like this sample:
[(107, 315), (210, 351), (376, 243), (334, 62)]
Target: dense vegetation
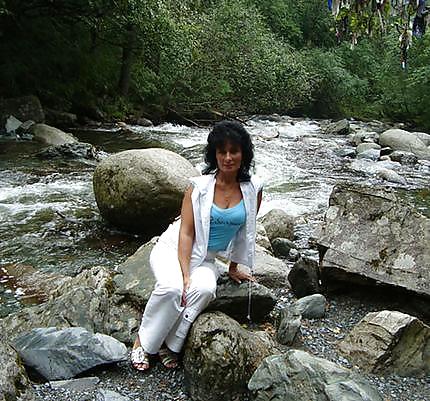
[(196, 58)]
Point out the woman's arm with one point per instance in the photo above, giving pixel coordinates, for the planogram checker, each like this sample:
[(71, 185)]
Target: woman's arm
[(233, 272), (186, 239)]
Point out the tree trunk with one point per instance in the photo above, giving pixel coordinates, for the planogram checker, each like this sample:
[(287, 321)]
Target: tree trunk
[(127, 60)]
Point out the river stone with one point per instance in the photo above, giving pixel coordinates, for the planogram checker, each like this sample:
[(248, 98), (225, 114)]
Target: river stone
[(304, 277), (289, 325), (366, 146), (76, 150), (23, 108), (14, 382), (50, 135), (311, 306), (345, 152), (270, 271), (141, 190), (12, 124), (391, 176), (371, 154), (298, 376), (233, 300), (261, 237), (220, 357), (371, 233), (424, 137), (63, 354), (404, 157), (398, 139), (282, 247), (389, 342), (340, 127), (278, 224)]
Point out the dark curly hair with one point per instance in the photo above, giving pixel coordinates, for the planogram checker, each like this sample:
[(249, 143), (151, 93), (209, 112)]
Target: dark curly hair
[(234, 132)]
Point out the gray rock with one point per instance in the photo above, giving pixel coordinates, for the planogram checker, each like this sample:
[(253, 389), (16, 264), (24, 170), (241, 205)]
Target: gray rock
[(220, 357), (423, 137), (262, 239), (392, 176), (23, 108), (371, 233), (304, 277), (389, 342), (289, 325), (366, 146), (12, 124), (109, 395), (385, 157), (340, 127), (155, 178), (50, 135), (14, 382), (345, 152), (270, 271), (77, 150), (398, 139), (62, 354), (298, 376), (371, 154), (402, 157), (294, 255), (282, 247), (278, 224), (81, 384), (144, 122), (357, 138), (312, 306)]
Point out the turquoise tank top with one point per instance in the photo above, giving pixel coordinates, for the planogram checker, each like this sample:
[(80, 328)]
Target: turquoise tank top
[(224, 225)]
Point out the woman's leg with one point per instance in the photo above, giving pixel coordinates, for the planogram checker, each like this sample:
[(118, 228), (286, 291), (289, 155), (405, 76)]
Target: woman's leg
[(202, 290), (164, 305)]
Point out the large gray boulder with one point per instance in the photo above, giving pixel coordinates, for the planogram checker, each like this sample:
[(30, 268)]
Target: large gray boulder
[(14, 382), (398, 139), (220, 357), (270, 271), (50, 135), (278, 224), (141, 190), (298, 376), (389, 342), (371, 233), (23, 108), (62, 354)]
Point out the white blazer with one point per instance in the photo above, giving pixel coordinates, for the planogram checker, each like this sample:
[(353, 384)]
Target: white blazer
[(242, 247)]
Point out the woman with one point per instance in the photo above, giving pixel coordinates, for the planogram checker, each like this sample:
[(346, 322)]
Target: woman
[(218, 216)]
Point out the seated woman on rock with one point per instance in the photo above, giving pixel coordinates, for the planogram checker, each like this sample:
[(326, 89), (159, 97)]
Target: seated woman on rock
[(218, 216)]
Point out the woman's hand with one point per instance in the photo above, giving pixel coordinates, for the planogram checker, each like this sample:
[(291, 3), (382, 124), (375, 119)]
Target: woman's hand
[(187, 282), (237, 275)]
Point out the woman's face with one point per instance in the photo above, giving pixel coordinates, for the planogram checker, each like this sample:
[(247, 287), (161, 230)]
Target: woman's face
[(229, 157)]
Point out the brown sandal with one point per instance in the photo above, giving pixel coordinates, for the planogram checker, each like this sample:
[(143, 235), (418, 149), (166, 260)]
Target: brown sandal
[(168, 358)]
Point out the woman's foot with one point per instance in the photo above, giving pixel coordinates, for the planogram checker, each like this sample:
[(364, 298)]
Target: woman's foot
[(168, 358), (138, 357)]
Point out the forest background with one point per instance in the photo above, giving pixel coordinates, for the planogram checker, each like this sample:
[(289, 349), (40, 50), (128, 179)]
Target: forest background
[(195, 59)]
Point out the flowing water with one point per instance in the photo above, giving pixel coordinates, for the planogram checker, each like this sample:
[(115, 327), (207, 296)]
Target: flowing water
[(49, 218)]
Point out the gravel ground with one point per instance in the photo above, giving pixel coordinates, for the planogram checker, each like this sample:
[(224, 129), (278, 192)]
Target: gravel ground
[(318, 336)]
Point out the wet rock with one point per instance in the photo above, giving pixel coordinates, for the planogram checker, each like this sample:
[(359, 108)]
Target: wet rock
[(392, 176), (233, 299), (362, 147), (304, 277), (14, 382), (144, 122), (62, 354), (50, 135), (371, 154), (77, 150), (61, 118), (371, 233), (81, 384), (109, 395), (270, 271), (142, 190), (298, 376), (282, 247), (402, 157), (278, 224), (398, 139), (340, 127), (220, 357), (389, 342), (23, 108), (345, 152), (12, 124), (312, 306), (261, 237), (289, 325)]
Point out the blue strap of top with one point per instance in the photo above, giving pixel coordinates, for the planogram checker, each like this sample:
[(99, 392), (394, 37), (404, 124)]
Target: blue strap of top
[(224, 225)]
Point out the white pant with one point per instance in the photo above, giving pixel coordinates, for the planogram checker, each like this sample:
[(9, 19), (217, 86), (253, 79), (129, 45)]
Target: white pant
[(164, 319)]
